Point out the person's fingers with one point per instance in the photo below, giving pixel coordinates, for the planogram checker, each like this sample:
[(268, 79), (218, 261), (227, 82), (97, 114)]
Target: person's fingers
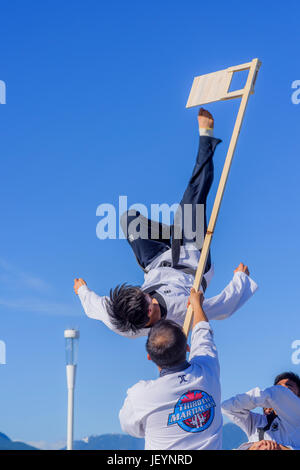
[(270, 445), (255, 446)]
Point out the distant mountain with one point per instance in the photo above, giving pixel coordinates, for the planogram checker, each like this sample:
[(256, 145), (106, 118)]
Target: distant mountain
[(7, 444), (233, 436)]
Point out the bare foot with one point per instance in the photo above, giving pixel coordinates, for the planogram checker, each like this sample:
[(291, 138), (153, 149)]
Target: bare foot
[(205, 119)]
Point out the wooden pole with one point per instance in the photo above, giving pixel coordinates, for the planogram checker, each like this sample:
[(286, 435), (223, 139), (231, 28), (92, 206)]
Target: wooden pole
[(255, 64)]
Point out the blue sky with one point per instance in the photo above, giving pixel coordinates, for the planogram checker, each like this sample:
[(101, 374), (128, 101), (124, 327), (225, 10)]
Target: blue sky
[(96, 95)]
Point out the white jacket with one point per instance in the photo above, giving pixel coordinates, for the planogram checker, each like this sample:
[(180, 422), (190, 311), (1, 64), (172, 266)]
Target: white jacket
[(175, 290), (179, 410), (285, 429)]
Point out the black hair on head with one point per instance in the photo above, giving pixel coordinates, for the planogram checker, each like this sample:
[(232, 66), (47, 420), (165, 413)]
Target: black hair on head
[(166, 344), (127, 307), (288, 375)]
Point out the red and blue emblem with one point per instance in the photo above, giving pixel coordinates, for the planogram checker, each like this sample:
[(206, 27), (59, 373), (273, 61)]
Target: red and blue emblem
[(194, 411)]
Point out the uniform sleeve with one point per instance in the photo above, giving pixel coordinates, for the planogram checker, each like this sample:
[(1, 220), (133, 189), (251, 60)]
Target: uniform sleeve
[(237, 409), (203, 346), (233, 297), (94, 305), (285, 403), (130, 423)]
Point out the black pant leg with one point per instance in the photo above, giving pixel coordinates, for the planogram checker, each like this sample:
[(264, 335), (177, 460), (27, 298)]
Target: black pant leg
[(147, 238), (196, 193)]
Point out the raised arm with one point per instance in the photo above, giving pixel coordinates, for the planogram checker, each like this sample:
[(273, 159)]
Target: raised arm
[(233, 297), (203, 347), (285, 403), (237, 409), (196, 301), (93, 304), (281, 399)]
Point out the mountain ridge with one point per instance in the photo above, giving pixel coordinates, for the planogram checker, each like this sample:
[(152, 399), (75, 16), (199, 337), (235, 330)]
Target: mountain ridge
[(233, 436)]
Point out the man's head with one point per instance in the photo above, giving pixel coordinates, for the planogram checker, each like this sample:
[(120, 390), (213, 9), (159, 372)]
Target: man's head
[(289, 380), (130, 309), (166, 344)]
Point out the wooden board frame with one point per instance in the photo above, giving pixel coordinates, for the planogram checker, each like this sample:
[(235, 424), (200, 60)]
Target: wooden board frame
[(202, 93)]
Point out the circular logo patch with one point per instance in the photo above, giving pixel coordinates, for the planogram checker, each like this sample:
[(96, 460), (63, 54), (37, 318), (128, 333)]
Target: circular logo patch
[(194, 411)]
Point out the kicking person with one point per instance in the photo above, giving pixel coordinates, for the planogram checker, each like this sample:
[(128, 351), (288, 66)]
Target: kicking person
[(182, 408), (278, 428), (169, 262)]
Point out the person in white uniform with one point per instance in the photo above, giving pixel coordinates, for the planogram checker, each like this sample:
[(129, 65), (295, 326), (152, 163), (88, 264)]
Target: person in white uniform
[(182, 408), (169, 264), (278, 428)]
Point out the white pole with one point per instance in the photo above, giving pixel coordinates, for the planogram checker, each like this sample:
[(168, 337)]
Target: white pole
[(71, 373)]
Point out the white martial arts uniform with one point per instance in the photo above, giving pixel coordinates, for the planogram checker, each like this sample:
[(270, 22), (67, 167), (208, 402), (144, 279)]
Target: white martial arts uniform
[(182, 409), (285, 429), (174, 287)]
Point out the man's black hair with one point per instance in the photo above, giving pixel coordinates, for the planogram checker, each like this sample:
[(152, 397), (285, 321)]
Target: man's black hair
[(166, 344), (288, 375), (128, 308)]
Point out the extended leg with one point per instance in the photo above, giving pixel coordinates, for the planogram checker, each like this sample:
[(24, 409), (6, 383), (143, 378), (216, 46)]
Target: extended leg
[(196, 194)]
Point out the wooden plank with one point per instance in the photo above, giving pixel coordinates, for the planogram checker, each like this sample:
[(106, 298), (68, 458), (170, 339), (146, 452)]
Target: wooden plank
[(248, 89), (209, 88), (215, 86)]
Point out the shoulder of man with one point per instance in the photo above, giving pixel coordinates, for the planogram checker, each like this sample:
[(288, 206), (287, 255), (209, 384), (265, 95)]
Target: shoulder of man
[(140, 387)]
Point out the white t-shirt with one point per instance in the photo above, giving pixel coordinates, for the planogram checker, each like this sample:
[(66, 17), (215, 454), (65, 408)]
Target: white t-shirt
[(180, 410)]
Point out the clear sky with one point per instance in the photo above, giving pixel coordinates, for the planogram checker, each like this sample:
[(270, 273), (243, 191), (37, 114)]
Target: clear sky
[(96, 95)]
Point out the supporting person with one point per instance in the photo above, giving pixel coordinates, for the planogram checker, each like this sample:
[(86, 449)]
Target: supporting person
[(182, 408), (169, 262), (278, 428)]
